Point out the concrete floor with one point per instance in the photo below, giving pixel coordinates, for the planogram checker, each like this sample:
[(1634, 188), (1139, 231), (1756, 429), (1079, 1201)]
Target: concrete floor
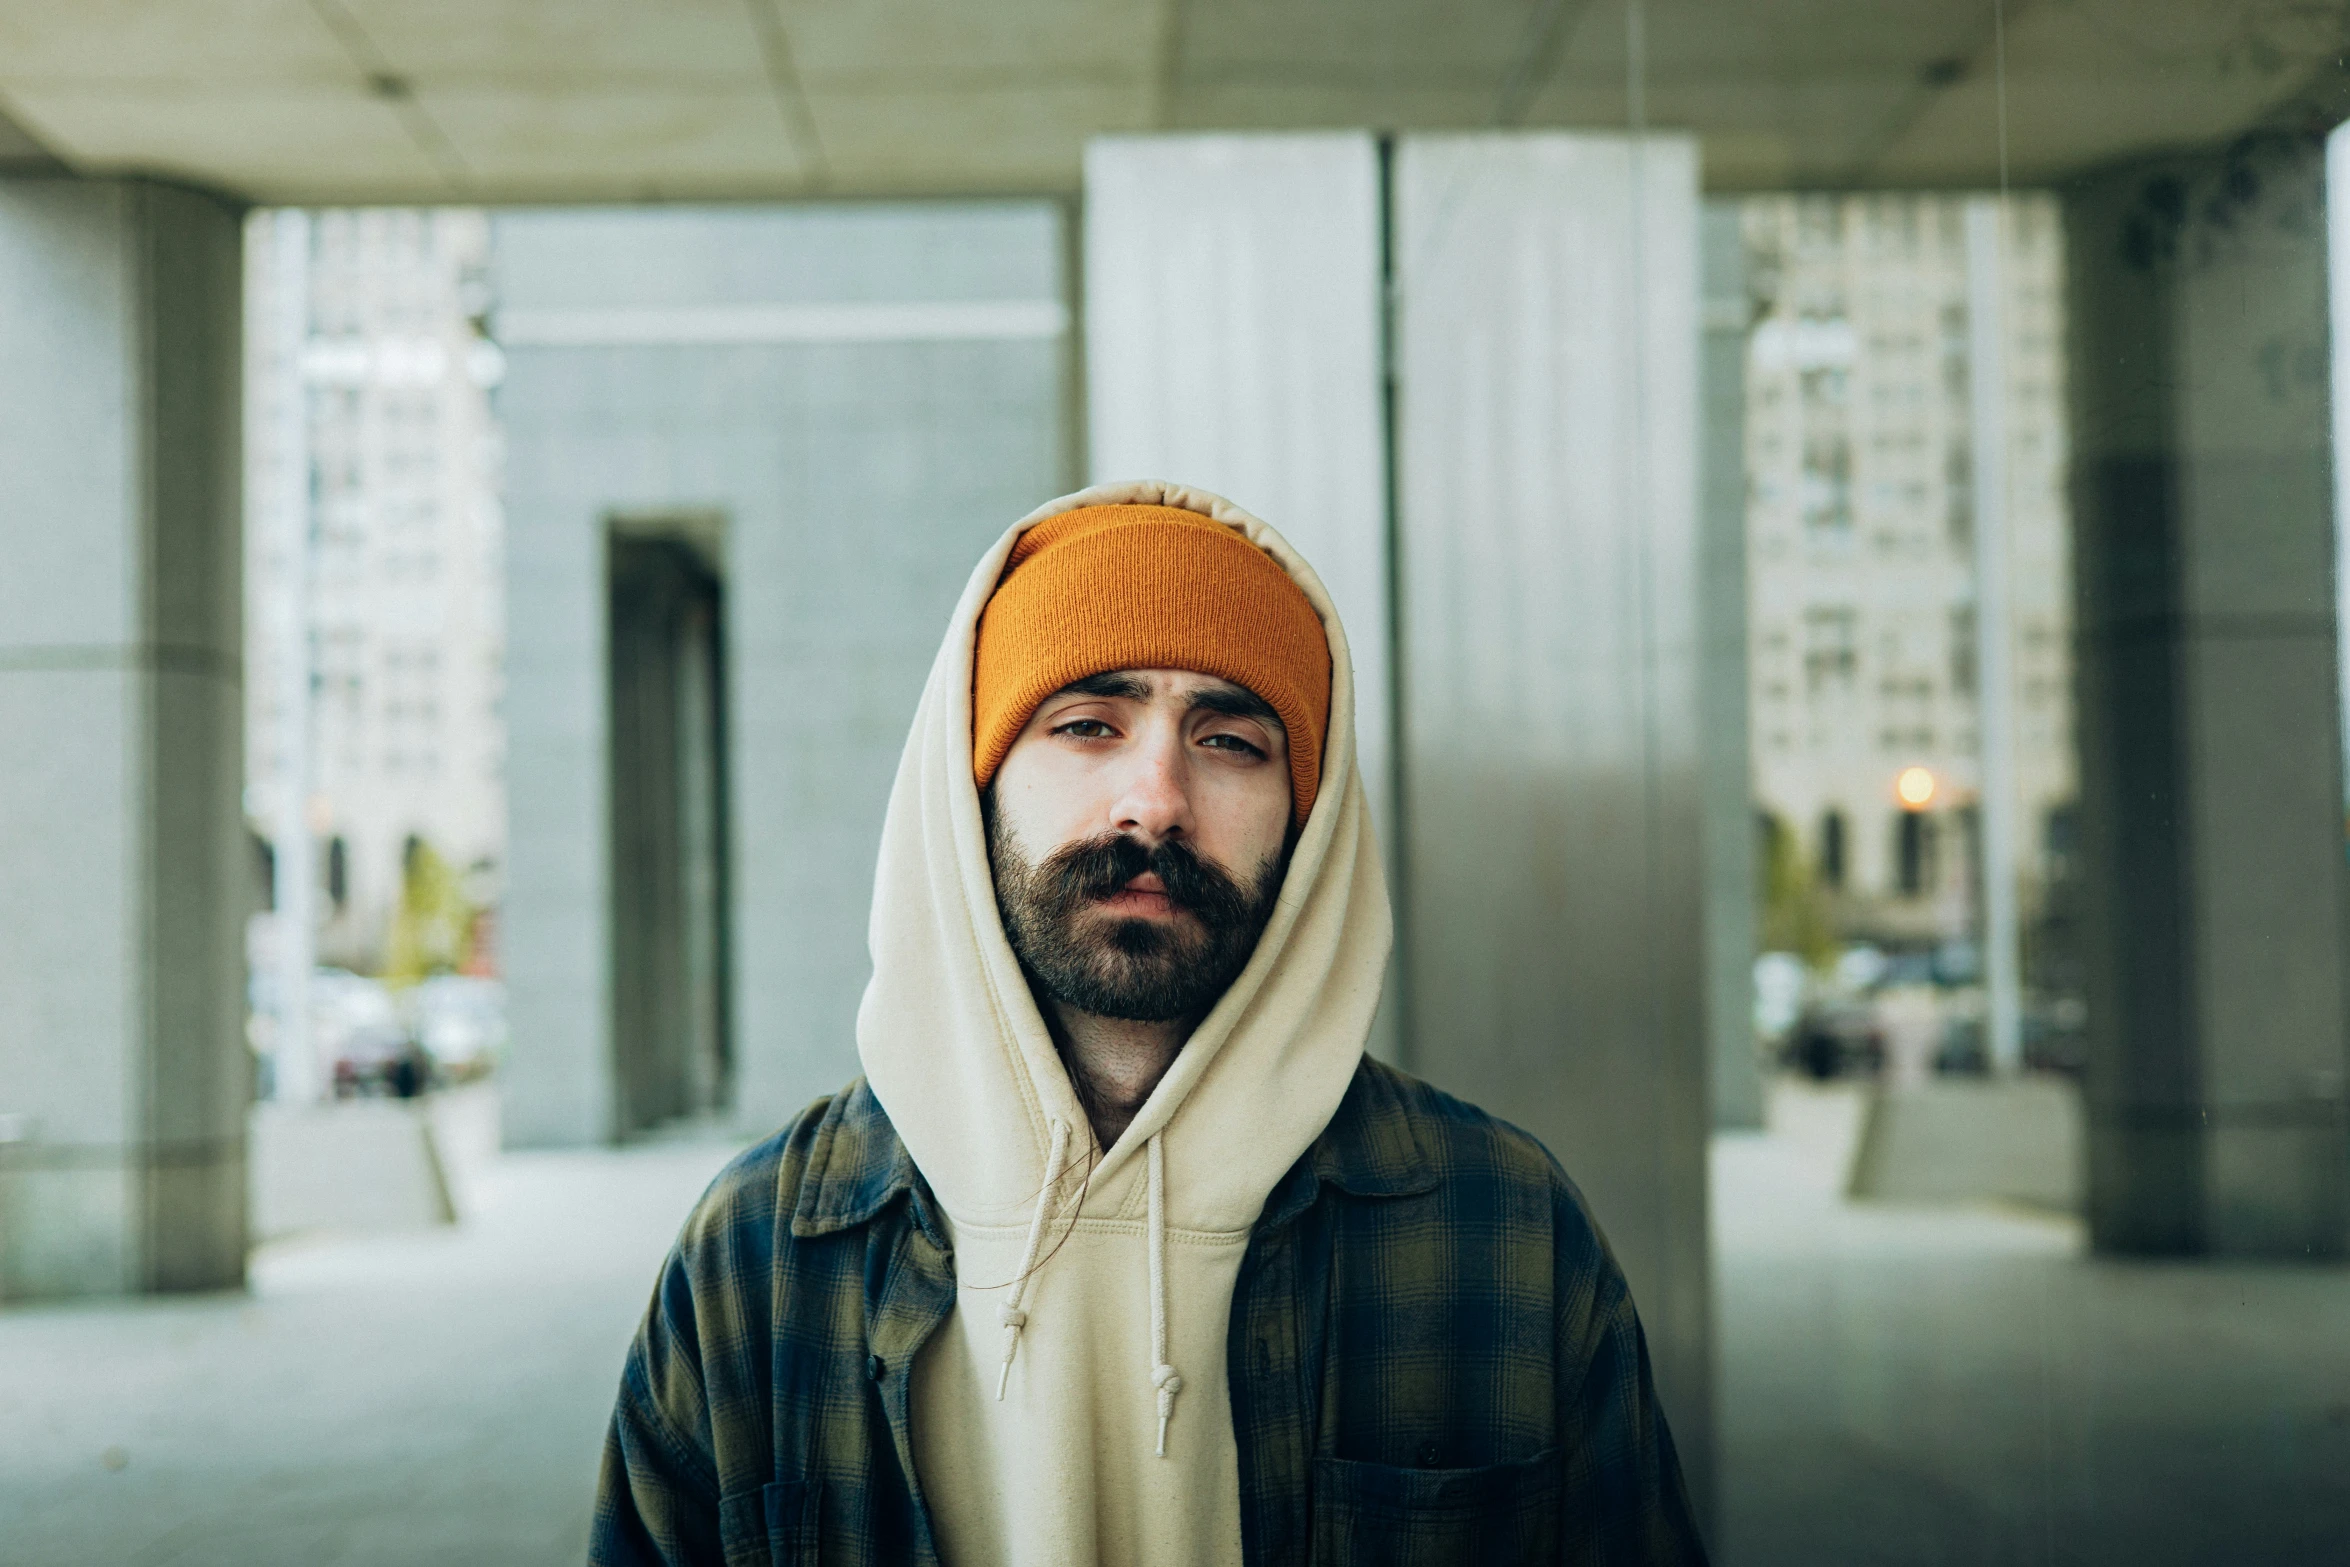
[(437, 1396), (1927, 1386), (1898, 1386)]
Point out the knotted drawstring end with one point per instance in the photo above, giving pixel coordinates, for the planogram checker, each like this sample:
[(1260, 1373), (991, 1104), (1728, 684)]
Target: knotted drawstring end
[(1163, 1378), (1009, 1312), (1163, 1375)]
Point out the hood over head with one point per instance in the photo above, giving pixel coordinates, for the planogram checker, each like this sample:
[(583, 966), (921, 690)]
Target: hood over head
[(952, 1040)]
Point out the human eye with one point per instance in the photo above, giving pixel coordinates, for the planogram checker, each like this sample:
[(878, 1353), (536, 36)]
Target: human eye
[(1084, 729), (1225, 740)]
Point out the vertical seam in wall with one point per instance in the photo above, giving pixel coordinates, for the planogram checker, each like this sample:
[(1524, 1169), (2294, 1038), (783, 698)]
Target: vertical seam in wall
[(607, 853), (1391, 544), (142, 799), (1076, 421), (2184, 795), (1644, 617)]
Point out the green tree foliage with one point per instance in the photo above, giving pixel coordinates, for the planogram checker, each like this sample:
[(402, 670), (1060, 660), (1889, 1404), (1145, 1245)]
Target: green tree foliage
[(1792, 911), (434, 923)]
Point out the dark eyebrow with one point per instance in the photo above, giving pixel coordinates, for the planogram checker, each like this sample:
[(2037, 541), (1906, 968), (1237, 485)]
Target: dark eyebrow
[(1237, 702), (1233, 701), (1110, 683)]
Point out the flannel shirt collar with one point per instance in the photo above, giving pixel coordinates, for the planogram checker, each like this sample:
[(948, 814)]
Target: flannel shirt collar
[(1369, 1149), (859, 1165)]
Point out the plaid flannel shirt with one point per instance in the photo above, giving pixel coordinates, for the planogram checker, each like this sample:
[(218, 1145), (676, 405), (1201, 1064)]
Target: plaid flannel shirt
[(1433, 1358)]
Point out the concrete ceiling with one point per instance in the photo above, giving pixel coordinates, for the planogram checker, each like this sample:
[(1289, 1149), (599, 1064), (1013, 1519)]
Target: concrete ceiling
[(575, 100)]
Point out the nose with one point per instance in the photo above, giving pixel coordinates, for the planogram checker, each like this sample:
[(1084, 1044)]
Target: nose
[(1152, 801)]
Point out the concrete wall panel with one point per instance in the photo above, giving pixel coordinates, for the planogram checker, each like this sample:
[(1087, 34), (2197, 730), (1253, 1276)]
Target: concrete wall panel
[(2217, 905), (1547, 353), (68, 924), (1724, 735)]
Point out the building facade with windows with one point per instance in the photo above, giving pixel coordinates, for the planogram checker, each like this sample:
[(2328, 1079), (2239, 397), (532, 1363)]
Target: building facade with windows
[(1861, 519), (396, 456)]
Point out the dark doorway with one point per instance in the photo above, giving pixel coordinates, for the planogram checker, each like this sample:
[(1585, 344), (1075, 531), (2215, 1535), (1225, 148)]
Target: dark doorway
[(669, 853)]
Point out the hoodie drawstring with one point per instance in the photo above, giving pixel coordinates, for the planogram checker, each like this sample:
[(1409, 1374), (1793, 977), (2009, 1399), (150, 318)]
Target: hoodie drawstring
[(1163, 1376), (1009, 1312)]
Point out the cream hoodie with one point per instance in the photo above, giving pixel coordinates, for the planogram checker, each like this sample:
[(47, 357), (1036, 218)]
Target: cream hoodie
[(1098, 1308)]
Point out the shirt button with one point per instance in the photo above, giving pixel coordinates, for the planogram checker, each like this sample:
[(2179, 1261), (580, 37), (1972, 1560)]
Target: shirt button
[(1429, 1455), (874, 1368)]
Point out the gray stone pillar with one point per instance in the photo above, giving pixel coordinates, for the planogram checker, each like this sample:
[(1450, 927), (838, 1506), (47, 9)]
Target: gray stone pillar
[(2211, 771), (1554, 766), (1725, 762), (123, 1072)]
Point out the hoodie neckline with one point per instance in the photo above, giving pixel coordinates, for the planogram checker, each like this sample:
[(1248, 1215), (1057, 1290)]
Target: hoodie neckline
[(859, 1165)]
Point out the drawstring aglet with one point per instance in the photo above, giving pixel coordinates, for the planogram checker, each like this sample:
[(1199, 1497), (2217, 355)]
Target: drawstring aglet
[(1163, 1377), (1013, 1319)]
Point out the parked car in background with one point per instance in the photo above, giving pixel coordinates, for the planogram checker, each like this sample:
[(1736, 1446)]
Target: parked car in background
[(459, 1021), (375, 1040)]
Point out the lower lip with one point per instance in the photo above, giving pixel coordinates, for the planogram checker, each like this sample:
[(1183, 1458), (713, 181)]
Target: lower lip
[(1133, 902)]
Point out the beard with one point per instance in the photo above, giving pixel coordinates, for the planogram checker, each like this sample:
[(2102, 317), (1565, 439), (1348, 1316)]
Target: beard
[(1138, 970)]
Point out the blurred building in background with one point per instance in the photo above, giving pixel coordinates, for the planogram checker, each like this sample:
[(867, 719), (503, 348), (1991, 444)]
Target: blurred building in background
[(401, 599), (1861, 513)]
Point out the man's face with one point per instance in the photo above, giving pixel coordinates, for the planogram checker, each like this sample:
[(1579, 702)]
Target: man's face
[(1139, 827)]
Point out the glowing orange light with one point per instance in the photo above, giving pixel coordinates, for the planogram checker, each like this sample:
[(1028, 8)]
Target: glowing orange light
[(1914, 788)]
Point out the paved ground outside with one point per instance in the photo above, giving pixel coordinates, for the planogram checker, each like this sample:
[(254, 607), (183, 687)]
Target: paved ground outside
[(429, 1397), (1963, 1386), (1910, 1386)]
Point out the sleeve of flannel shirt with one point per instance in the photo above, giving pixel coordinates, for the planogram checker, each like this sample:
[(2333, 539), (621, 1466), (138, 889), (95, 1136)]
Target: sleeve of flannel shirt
[(657, 1495), (1625, 1501)]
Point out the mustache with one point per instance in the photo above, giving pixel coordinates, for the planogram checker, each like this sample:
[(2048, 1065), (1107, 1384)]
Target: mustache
[(1095, 868)]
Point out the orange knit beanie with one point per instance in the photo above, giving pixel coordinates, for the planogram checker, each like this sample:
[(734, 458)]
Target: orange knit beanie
[(1148, 587)]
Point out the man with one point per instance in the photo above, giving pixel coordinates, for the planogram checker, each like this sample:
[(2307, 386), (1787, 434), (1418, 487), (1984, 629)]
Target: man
[(1122, 1251)]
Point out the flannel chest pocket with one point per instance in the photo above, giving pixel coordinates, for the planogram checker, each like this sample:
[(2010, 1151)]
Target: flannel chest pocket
[(774, 1526), (1378, 1515)]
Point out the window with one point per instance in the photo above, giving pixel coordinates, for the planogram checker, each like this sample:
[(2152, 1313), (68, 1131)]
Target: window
[(1913, 853), (1827, 485), (1958, 484), (1832, 849), (1831, 650)]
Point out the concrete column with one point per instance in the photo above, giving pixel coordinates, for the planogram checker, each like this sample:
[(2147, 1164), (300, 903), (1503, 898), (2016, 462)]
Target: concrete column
[(1724, 738), (124, 1078), (2211, 773), (1549, 578)]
